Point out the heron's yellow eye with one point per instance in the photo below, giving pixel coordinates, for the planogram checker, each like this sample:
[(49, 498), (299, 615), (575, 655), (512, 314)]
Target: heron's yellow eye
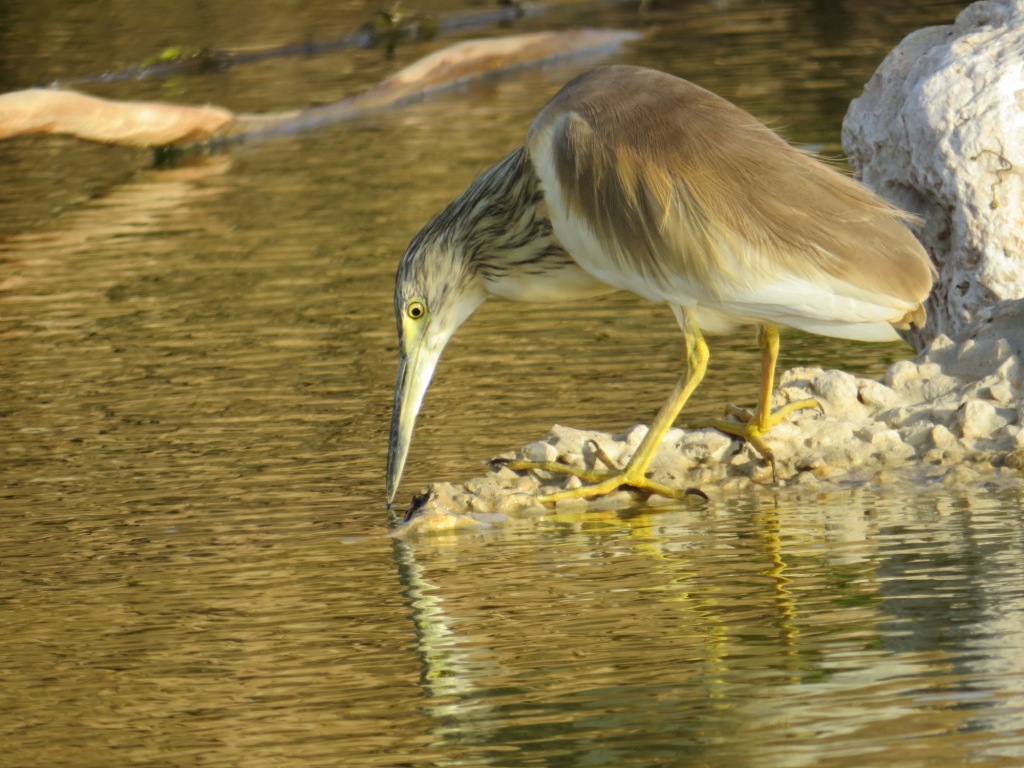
[(416, 310)]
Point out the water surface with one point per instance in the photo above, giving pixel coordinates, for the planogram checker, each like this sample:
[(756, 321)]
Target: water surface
[(194, 398)]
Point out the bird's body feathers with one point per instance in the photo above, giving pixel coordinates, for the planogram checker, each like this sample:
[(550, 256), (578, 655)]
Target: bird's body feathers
[(658, 186)]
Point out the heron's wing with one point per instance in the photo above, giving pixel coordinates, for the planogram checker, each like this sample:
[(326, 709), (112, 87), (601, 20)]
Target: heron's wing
[(677, 194)]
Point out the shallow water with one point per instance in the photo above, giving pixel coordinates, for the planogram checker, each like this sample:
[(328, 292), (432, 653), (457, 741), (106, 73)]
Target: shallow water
[(194, 398)]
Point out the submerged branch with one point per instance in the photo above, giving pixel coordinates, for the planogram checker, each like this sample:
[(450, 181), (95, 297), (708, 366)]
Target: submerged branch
[(156, 124), (132, 123)]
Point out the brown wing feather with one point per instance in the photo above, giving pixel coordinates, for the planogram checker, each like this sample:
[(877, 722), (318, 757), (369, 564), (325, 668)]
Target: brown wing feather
[(675, 174)]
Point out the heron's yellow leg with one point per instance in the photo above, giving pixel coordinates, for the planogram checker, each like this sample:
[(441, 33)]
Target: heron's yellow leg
[(634, 475), (753, 427)]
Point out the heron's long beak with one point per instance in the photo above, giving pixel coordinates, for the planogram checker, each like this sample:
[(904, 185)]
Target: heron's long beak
[(415, 368)]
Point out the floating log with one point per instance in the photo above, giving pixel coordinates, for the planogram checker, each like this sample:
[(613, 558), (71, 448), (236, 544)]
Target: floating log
[(448, 69), (133, 123), (157, 124)]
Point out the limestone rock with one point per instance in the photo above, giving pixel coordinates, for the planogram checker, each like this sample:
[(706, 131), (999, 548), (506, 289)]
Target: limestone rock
[(937, 131)]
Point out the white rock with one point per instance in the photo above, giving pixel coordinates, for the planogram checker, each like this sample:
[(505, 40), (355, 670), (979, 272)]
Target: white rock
[(837, 388), (635, 434), (942, 437), (937, 386), (1010, 371), (999, 391), (901, 373), (978, 357), (939, 349), (570, 441), (792, 395), (1016, 434), (505, 476), (978, 418), (706, 445), (917, 434), (937, 131), (540, 451), (875, 395)]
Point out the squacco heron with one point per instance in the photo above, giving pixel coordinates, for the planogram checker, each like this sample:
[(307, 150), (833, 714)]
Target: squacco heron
[(632, 179)]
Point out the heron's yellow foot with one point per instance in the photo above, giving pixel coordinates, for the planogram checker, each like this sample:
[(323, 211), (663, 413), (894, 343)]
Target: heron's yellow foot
[(598, 482), (624, 481), (753, 428)]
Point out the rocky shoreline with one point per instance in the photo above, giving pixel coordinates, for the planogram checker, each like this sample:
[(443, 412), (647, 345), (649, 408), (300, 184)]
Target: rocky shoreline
[(951, 416)]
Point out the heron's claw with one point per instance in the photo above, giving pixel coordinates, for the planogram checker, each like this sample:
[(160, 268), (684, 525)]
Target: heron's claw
[(622, 481), (597, 482), (752, 428)]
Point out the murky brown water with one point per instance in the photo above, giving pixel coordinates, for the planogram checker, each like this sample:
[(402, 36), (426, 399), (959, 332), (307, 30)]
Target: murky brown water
[(195, 387)]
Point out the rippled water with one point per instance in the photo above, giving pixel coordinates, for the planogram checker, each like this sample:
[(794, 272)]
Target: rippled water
[(195, 386)]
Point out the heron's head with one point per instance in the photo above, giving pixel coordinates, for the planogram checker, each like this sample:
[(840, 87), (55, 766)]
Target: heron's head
[(436, 290)]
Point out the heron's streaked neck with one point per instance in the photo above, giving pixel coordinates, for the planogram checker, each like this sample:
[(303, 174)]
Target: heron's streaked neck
[(505, 236), (502, 224)]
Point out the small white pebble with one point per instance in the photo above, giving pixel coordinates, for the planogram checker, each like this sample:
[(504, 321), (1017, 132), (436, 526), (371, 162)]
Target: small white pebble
[(739, 459), (886, 439), (1015, 459), (978, 418), (540, 451), (1009, 370), (939, 348), (762, 474), (942, 437), (1002, 392), (837, 388), (917, 434), (526, 484), (792, 394), (938, 385), (506, 475), (572, 483), (985, 354), (705, 445), (876, 395), (806, 479), (900, 374), (634, 435), (959, 474)]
